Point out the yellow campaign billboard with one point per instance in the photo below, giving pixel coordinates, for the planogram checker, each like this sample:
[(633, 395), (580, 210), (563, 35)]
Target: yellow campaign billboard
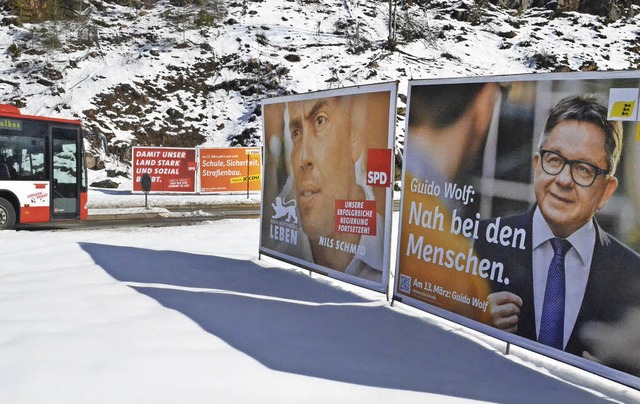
[(226, 170), (520, 212), (326, 199)]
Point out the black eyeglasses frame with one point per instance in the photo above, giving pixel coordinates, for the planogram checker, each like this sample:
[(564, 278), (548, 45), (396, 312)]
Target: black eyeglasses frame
[(565, 161)]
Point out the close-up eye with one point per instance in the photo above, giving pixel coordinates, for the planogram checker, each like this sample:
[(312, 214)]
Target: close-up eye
[(320, 120), (585, 168), (555, 160), (295, 133)]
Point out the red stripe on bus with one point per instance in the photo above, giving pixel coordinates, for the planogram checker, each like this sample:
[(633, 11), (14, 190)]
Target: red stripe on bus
[(34, 214), (40, 186), (84, 212)]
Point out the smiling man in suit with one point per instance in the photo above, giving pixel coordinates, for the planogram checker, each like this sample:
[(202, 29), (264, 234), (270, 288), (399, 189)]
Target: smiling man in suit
[(571, 272)]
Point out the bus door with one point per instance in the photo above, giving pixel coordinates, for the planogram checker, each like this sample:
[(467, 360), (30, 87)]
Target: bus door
[(67, 174)]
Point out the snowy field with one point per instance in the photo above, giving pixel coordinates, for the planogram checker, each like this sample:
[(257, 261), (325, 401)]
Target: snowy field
[(191, 314)]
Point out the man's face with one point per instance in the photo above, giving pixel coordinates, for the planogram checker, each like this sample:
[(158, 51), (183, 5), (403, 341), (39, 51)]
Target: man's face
[(321, 160), (565, 205)]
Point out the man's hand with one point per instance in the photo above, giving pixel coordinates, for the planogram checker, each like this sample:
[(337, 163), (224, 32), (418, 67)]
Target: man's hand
[(504, 308)]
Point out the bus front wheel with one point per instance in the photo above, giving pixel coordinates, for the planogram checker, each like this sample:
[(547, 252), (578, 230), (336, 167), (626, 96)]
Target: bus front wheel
[(7, 214)]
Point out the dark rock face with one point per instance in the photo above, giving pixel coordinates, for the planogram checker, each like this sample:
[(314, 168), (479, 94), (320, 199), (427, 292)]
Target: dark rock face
[(596, 7), (105, 184)]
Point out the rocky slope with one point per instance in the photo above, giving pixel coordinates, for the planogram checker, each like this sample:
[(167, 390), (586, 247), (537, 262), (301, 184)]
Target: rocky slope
[(194, 75)]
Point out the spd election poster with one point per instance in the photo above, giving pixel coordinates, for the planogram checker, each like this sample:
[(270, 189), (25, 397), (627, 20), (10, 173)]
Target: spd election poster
[(172, 169), (227, 169), (326, 198), (520, 212)]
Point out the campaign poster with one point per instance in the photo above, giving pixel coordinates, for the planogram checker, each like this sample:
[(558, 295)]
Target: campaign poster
[(172, 169), (520, 213), (328, 175), (228, 169)]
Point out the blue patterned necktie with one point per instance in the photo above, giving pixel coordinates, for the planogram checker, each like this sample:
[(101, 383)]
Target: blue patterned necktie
[(552, 321)]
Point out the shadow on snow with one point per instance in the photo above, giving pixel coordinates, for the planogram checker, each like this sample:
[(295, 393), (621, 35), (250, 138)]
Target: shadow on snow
[(293, 323)]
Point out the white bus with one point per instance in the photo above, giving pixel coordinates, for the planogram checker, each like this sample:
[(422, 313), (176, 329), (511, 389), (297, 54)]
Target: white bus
[(43, 174)]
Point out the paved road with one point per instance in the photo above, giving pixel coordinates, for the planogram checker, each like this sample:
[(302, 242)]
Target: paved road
[(166, 216)]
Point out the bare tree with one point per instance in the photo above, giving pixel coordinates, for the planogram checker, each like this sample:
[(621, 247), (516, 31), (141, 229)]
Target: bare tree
[(393, 7)]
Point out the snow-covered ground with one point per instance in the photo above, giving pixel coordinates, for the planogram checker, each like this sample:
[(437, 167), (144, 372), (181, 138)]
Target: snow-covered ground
[(191, 314), (102, 200)]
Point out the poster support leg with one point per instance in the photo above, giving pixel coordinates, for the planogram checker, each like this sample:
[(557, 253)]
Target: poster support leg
[(248, 176)]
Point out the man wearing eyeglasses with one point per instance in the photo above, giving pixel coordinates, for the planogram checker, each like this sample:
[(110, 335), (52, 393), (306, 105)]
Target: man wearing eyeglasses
[(571, 272)]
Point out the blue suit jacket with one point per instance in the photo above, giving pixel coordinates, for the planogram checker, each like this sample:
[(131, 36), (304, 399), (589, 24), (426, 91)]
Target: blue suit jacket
[(613, 286)]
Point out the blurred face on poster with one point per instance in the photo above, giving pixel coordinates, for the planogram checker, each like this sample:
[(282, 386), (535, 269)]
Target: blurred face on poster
[(322, 160), (571, 178)]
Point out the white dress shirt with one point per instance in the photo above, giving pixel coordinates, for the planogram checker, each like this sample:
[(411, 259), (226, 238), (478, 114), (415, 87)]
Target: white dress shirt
[(576, 265)]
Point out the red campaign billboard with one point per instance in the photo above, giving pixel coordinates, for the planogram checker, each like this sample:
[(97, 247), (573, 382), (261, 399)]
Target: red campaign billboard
[(171, 169), (520, 212), (327, 175)]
